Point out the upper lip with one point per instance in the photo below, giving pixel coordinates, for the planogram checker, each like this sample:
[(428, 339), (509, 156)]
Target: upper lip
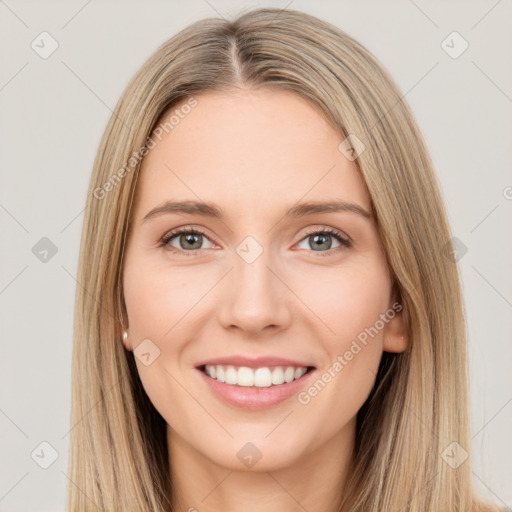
[(254, 362)]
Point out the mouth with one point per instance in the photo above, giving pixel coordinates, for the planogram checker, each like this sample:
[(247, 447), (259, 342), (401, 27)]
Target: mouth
[(254, 387), (260, 377)]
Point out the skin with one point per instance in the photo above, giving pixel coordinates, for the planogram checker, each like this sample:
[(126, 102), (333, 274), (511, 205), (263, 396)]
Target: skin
[(256, 153)]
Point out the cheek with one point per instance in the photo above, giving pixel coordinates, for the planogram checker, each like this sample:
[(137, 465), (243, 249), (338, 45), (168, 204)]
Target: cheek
[(349, 300), (350, 303), (164, 306), (353, 309), (160, 306), (157, 298)]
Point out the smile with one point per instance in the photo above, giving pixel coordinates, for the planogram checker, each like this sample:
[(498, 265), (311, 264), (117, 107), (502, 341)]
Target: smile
[(262, 377), (254, 388)]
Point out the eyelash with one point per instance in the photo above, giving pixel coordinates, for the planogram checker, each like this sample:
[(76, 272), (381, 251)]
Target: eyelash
[(345, 242)]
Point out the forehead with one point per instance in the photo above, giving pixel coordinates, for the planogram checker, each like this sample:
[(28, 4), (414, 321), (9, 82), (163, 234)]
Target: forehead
[(249, 150)]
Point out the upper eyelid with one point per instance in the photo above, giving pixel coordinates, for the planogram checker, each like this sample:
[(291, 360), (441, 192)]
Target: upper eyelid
[(330, 230)]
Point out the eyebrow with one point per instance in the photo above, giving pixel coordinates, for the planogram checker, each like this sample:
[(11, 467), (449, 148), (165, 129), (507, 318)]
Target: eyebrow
[(211, 210)]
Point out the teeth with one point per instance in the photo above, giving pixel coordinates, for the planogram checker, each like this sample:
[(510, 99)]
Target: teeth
[(278, 375), (299, 372), (289, 374), (254, 377), (230, 375), (262, 377), (245, 376)]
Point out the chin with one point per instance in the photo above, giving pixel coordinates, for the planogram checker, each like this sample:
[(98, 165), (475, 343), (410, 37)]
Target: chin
[(255, 453)]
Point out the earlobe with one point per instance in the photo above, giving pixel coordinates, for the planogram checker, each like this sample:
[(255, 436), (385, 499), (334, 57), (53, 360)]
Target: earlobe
[(396, 338), (395, 334), (126, 343), (395, 343)]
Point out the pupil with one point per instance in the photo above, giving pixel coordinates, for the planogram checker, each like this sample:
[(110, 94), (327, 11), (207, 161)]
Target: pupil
[(190, 239)]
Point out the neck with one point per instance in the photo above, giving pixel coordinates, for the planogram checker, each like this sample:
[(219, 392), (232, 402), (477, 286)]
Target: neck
[(314, 482)]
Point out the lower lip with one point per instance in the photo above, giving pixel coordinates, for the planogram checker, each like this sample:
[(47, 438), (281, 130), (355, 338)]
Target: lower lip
[(254, 398)]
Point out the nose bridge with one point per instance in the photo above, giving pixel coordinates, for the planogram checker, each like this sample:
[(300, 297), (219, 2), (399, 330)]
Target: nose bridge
[(256, 297)]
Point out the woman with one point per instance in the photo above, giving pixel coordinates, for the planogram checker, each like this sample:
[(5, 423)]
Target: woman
[(270, 315)]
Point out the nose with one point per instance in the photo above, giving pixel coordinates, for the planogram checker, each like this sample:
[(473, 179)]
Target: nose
[(254, 299)]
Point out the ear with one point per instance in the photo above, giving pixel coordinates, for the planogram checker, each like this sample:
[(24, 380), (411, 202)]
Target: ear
[(126, 340), (396, 338)]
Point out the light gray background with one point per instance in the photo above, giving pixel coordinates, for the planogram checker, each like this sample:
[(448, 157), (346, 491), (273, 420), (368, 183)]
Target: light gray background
[(53, 112)]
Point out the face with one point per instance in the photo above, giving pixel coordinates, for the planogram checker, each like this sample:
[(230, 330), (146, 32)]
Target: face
[(256, 319)]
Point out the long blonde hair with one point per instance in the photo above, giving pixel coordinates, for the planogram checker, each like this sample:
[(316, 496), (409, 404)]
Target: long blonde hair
[(419, 405)]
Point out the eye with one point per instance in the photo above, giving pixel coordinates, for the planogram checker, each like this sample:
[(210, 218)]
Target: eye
[(188, 240), (322, 239)]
